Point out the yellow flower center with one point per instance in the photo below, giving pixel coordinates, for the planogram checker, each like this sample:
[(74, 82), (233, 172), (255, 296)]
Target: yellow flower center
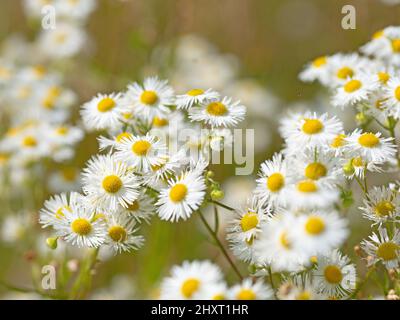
[(397, 93), (219, 297), (112, 184), (29, 142), (384, 208), (319, 62), (160, 122), (149, 97), (275, 182), (396, 45), (388, 251), (189, 287), (105, 105), (368, 140), (377, 34), (195, 92), (333, 274), (307, 186), (304, 295), (312, 126), (217, 109), (344, 73), (246, 294), (357, 162), (284, 241), (178, 192), (338, 141), (314, 225), (81, 226), (352, 85), (122, 136), (141, 147), (383, 77), (315, 170), (249, 221), (117, 233), (62, 131)]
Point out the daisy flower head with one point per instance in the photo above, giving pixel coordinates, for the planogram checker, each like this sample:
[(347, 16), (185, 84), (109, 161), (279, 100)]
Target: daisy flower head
[(383, 204), (249, 290), (103, 112), (309, 129), (82, 227), (218, 113), (275, 247), (337, 144), (343, 67), (217, 291), (316, 70), (243, 249), (121, 234), (246, 223), (391, 101), (335, 276), (372, 147), (354, 91), (377, 46), (182, 197), (191, 280), (142, 209), (383, 247), (109, 183), (194, 97), (55, 207), (319, 232), (299, 288), (141, 152), (392, 53), (153, 99), (273, 180), (111, 143)]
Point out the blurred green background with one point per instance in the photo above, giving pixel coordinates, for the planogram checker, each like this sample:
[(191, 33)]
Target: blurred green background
[(272, 39)]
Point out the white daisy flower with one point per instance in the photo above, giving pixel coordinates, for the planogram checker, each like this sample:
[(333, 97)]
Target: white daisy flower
[(355, 90), (153, 99), (275, 246), (142, 209), (121, 234), (299, 288), (273, 180), (182, 197), (81, 227), (309, 129), (191, 280), (218, 113), (383, 204), (55, 208), (370, 146), (391, 100), (141, 152), (383, 247), (319, 232), (337, 144), (377, 45), (111, 143), (249, 290), (345, 66), (217, 291), (243, 249), (194, 97), (316, 70), (109, 183), (335, 275)]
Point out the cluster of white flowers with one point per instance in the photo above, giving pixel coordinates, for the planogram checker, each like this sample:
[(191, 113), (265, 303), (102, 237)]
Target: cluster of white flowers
[(138, 173)]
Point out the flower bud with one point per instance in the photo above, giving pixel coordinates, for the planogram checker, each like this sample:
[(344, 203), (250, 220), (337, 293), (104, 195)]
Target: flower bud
[(217, 194), (348, 169), (52, 242)]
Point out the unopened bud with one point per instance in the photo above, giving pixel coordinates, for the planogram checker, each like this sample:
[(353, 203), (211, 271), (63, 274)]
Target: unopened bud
[(358, 251), (361, 118), (210, 174), (217, 194), (52, 243), (348, 169)]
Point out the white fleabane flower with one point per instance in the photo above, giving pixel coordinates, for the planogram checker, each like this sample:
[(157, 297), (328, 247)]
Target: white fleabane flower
[(249, 290), (309, 129), (299, 288), (109, 183), (377, 45), (218, 113), (335, 275), (354, 91), (111, 143), (153, 99), (391, 101), (370, 146), (275, 246), (182, 197), (383, 204), (141, 152), (273, 180), (316, 70), (103, 112), (191, 280), (121, 234), (319, 232), (383, 247), (142, 209), (194, 97)]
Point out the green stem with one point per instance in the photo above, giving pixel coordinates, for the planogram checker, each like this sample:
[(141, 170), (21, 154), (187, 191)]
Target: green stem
[(271, 280), (222, 205), (220, 245)]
